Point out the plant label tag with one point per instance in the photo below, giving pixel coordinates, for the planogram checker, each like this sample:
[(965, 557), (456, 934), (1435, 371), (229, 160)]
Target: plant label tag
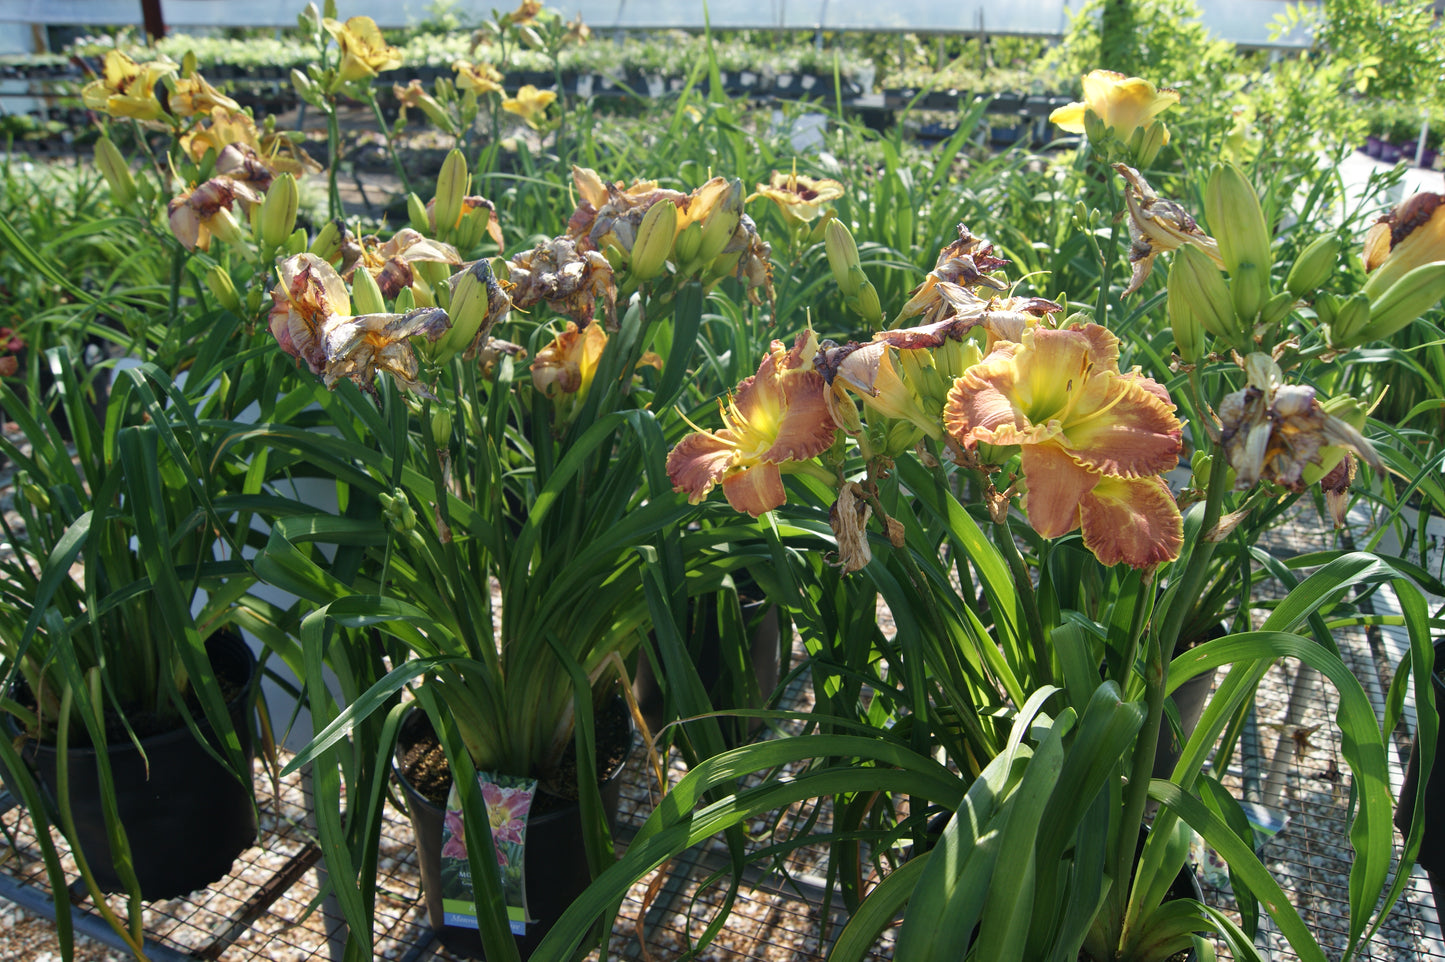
[(509, 800)]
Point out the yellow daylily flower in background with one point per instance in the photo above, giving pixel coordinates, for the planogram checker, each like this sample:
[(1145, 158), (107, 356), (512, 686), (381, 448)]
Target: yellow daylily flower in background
[(530, 104), (364, 51), (525, 15), (127, 88), (1093, 441), (1124, 104), (777, 416), (798, 196), (481, 77), (193, 96)]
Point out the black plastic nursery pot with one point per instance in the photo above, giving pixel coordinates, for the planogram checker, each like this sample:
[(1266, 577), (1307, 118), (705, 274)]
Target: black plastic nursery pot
[(555, 855), (186, 815)]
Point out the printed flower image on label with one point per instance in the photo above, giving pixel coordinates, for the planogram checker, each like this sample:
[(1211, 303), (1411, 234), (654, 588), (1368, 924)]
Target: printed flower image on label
[(509, 800)]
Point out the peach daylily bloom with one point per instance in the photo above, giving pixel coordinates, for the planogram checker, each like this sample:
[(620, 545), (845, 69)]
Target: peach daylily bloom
[(777, 416), (1123, 103), (1092, 440), (568, 364)]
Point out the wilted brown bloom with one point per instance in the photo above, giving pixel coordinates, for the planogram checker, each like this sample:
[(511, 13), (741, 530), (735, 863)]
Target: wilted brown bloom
[(948, 290), (1157, 224), (1271, 430), (849, 520), (198, 215), (361, 347), (569, 280), (390, 262)]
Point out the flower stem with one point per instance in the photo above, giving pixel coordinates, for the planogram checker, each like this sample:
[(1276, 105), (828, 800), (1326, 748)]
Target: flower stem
[(333, 159), (390, 140)]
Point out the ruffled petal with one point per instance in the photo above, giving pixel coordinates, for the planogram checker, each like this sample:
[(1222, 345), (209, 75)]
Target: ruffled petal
[(756, 489), (1133, 434), (1057, 486), (1135, 521), (698, 462), (806, 429)]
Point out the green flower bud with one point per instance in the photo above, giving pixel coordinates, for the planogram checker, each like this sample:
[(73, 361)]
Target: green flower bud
[(441, 428), (1237, 222), (1151, 141), (869, 307), (685, 248), (1277, 308), (116, 171), (843, 258), (654, 240), (452, 186), (416, 214), (1351, 317), (366, 295), (223, 290), (721, 223), (1249, 290), (1195, 281), (477, 304), (278, 212), (1326, 306), (1183, 318), (1315, 265), (306, 88), (37, 496), (296, 243), (405, 301), (327, 244), (1408, 298)]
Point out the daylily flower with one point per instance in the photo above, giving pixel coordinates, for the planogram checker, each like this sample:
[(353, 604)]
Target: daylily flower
[(530, 104), (948, 289), (569, 280), (609, 214), (199, 214), (228, 127), (239, 163), (360, 347), (126, 88), (390, 262), (1124, 104), (507, 810), (1092, 440), (871, 371), (1157, 224), (470, 205), (414, 96), (568, 363), (577, 31), (364, 51), (1410, 236), (1271, 430), (799, 197), (193, 96), (777, 416), (525, 15), (481, 77), (456, 844), (310, 293)]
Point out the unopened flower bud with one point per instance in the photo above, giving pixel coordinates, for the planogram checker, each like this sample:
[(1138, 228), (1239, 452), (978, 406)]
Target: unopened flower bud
[(116, 171), (452, 185), (654, 240), (1151, 140), (441, 428), (405, 301), (1249, 290), (1237, 222), (223, 290), (366, 295), (1409, 297), (417, 214), (721, 223), (1277, 308), (478, 303), (843, 258), (327, 244), (37, 496), (278, 211), (296, 243), (869, 307), (1351, 317), (306, 88), (1315, 265), (687, 245), (1199, 286)]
